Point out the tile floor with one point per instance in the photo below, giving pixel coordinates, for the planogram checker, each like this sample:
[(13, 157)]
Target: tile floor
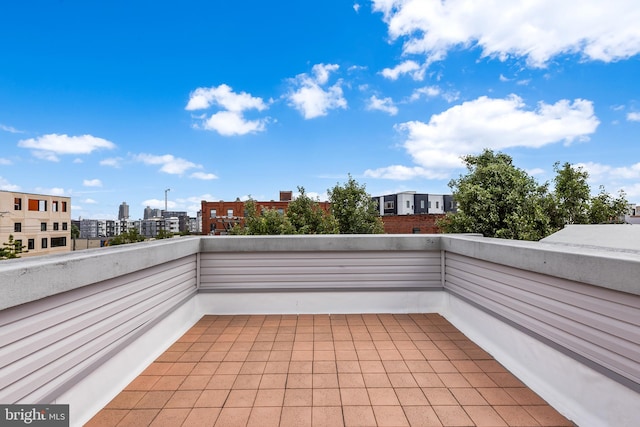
[(321, 370)]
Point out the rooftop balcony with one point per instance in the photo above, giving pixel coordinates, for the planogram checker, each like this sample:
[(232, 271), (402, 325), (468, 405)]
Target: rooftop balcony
[(79, 328)]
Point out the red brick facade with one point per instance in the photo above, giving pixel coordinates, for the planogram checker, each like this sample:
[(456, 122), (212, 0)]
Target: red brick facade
[(411, 224), (218, 217)]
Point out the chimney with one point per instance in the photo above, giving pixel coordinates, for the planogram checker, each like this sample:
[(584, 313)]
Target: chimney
[(286, 196)]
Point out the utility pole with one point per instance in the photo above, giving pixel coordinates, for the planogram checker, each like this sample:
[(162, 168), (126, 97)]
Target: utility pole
[(165, 198)]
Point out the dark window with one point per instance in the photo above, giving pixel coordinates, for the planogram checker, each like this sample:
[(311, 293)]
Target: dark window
[(54, 206), (389, 205), (17, 204), (58, 241), (19, 245), (56, 226), (64, 225), (43, 226), (31, 244), (17, 227), (43, 242), (64, 206)]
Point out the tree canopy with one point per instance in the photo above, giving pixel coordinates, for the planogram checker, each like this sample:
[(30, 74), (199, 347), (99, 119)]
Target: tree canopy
[(497, 199), (354, 209), (11, 249), (130, 236)]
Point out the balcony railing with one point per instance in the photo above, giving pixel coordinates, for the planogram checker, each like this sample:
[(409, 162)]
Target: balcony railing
[(76, 328)]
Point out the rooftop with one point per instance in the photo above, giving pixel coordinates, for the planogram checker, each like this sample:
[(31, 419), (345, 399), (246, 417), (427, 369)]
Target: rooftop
[(381, 330), (326, 370)]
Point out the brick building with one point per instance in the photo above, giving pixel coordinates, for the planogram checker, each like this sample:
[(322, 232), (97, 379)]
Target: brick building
[(219, 217)]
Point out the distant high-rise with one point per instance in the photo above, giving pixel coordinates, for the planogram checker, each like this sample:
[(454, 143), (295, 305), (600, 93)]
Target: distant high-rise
[(148, 212), (123, 212)]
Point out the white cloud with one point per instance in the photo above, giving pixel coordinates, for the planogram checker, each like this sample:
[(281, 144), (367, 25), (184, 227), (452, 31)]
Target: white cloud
[(230, 120), (158, 204), (77, 160), (90, 201), (467, 128), (92, 183), (7, 186), (633, 117), (415, 70), (114, 162), (535, 171), (535, 30), (384, 104), (230, 123), (203, 98), (403, 173), (48, 147), (9, 129), (434, 91), (356, 7), (310, 98), (204, 176), (169, 164), (5, 162), (55, 191)]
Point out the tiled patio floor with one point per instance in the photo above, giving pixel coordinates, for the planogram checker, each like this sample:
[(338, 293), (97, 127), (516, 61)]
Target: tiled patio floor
[(321, 370)]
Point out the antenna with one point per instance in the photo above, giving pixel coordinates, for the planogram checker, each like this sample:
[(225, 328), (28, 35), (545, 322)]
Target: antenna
[(165, 198)]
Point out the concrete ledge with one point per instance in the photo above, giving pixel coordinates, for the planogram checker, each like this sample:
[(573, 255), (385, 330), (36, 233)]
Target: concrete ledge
[(30, 279), (599, 267), (342, 242)]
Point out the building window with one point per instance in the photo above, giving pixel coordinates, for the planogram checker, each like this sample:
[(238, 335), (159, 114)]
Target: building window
[(64, 206), (429, 204), (31, 244), (408, 205), (43, 243), (421, 204), (54, 206), (213, 213), (437, 205), (281, 212), (57, 242), (43, 226), (56, 227), (17, 204), (229, 212), (388, 205), (17, 227), (37, 205), (64, 225)]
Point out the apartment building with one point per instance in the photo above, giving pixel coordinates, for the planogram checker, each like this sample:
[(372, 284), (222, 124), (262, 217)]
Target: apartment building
[(41, 223), (220, 217), (412, 203)]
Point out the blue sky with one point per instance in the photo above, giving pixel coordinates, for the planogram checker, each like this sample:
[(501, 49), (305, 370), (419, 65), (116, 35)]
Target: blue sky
[(117, 101)]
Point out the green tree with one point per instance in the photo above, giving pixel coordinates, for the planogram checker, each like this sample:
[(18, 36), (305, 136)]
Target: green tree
[(605, 209), (130, 236), (262, 221), (75, 233), (164, 234), (497, 199), (354, 209), (307, 217), (11, 249), (572, 195)]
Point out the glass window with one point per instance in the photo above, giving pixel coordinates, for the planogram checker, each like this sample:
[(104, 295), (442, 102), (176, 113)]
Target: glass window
[(408, 205), (17, 227), (229, 212), (56, 226), (58, 241), (421, 204), (213, 213), (64, 225), (437, 205), (17, 204), (388, 205), (54, 206), (31, 244), (43, 243), (64, 206), (42, 205), (43, 226)]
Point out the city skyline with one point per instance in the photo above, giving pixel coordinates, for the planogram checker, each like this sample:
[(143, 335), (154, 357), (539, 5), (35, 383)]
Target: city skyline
[(122, 101)]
